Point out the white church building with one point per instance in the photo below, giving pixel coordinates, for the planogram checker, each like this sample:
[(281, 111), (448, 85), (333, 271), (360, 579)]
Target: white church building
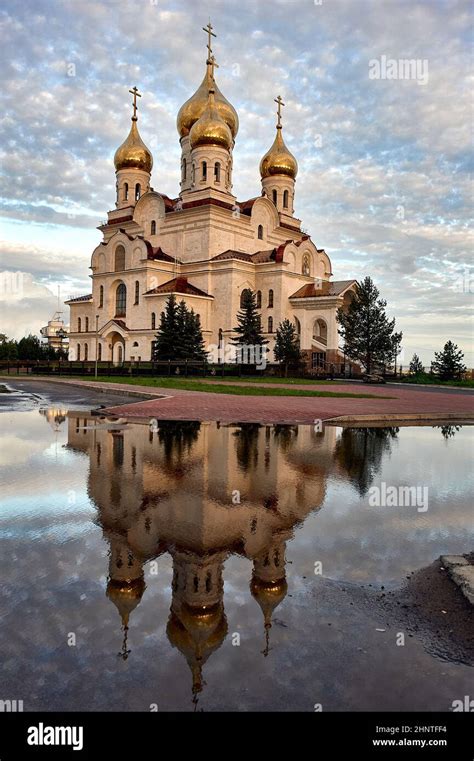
[(205, 246)]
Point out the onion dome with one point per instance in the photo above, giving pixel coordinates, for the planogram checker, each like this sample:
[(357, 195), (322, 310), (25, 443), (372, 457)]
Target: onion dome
[(125, 595), (278, 160), (193, 109), (133, 153), (268, 595), (210, 128)]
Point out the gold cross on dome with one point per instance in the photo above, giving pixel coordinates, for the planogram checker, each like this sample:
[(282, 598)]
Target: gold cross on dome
[(213, 64), (208, 29), (280, 104), (136, 94)]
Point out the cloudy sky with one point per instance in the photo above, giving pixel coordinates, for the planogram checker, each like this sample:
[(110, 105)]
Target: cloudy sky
[(383, 183)]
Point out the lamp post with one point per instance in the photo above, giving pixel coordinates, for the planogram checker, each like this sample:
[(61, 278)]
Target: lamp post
[(96, 343)]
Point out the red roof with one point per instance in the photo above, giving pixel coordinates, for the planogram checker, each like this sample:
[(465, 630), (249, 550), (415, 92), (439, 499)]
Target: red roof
[(178, 285), (80, 298), (321, 288)]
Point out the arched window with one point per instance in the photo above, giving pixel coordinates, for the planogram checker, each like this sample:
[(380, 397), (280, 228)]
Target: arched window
[(86, 352), (320, 331), (78, 352), (125, 191), (138, 191), (79, 324), (260, 232), (275, 196), (242, 297), (121, 300), (153, 321), (99, 352), (285, 199), (259, 299), (137, 292), (119, 258), (217, 171), (270, 324), (221, 336), (298, 326), (153, 228), (305, 269), (101, 296), (193, 173), (270, 298), (87, 324), (183, 169), (204, 170)]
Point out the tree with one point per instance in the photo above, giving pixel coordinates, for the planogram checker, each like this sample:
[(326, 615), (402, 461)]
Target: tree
[(416, 366), (8, 348), (365, 328), (287, 345), (179, 335), (30, 347), (396, 342), (448, 364), (249, 328)]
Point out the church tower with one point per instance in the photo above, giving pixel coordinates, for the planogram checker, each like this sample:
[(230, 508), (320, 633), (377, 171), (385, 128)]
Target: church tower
[(133, 164), (278, 170), (207, 125)]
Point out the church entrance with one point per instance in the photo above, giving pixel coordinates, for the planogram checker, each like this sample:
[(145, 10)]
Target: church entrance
[(116, 348)]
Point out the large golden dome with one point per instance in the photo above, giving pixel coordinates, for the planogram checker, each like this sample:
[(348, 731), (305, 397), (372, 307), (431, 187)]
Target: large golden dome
[(193, 109), (278, 160), (210, 128), (133, 153)]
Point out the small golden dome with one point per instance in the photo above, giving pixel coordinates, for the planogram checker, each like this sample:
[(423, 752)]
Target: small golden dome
[(268, 595), (193, 109), (210, 128), (133, 152), (278, 160), (125, 595)]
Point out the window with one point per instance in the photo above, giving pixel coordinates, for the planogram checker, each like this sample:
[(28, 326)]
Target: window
[(270, 324), (125, 191), (153, 228), (153, 321), (78, 352), (79, 323), (242, 297), (270, 298), (193, 174), (138, 191), (204, 170), (318, 359), (217, 171), (285, 199), (298, 326), (259, 299), (137, 292), (121, 300), (99, 352), (260, 232), (87, 324), (101, 296), (86, 352), (305, 268), (183, 169), (320, 331), (275, 196), (119, 258)]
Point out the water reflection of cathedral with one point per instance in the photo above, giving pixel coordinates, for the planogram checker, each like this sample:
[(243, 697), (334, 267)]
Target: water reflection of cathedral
[(202, 492)]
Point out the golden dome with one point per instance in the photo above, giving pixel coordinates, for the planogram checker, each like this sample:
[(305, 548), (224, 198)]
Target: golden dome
[(193, 109), (210, 128), (125, 595), (133, 153), (278, 160), (268, 595)]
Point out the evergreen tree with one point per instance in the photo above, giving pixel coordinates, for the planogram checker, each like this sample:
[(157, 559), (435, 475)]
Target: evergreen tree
[(30, 347), (179, 335), (416, 366), (287, 345), (8, 349), (448, 364), (249, 328), (365, 328)]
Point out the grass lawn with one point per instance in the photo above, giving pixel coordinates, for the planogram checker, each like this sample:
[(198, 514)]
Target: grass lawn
[(430, 380), (215, 388)]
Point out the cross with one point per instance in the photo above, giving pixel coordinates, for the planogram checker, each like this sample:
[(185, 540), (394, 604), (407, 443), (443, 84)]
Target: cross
[(208, 29), (213, 64), (136, 94), (280, 104)]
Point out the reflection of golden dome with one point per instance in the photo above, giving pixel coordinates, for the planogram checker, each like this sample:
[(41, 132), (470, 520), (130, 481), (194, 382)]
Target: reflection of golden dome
[(210, 128), (133, 153), (197, 632), (268, 595), (125, 595), (278, 160), (193, 109)]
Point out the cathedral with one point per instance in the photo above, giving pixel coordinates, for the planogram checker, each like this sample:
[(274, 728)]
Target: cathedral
[(205, 246)]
